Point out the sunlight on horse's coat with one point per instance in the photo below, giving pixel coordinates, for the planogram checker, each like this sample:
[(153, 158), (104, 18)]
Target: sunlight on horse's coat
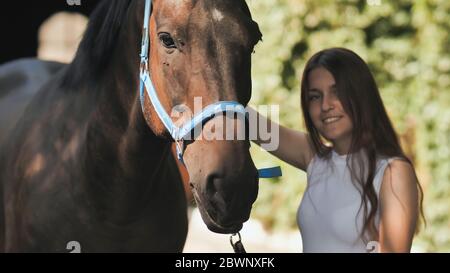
[(37, 165), (217, 15), (71, 149)]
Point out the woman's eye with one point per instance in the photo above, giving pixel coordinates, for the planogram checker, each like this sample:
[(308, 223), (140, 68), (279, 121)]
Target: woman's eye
[(313, 97), (167, 40)]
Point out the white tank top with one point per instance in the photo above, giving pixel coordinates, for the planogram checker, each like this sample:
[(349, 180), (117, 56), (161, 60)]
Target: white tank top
[(328, 216)]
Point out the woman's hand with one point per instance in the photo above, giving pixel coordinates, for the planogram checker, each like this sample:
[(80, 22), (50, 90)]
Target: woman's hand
[(293, 146)]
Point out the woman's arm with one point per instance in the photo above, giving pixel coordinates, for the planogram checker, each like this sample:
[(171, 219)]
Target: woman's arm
[(293, 146), (398, 207)]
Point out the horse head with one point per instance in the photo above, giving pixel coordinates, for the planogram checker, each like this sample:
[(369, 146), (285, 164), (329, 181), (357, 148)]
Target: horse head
[(202, 49)]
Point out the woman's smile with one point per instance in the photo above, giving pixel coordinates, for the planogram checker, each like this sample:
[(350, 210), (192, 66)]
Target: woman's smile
[(331, 119)]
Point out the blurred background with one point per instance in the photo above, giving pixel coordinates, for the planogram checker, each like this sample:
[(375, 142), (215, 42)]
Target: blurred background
[(407, 46)]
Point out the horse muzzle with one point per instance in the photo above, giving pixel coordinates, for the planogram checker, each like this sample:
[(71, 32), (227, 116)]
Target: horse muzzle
[(225, 203)]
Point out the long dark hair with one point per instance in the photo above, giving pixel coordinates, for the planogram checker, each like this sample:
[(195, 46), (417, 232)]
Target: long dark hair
[(373, 135)]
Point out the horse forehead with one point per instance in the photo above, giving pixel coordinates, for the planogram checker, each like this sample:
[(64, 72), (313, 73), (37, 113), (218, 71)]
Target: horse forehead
[(181, 10), (177, 10)]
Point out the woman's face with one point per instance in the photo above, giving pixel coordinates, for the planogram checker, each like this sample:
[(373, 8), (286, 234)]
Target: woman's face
[(326, 110)]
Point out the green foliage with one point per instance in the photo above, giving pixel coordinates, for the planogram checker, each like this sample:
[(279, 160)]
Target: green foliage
[(407, 46)]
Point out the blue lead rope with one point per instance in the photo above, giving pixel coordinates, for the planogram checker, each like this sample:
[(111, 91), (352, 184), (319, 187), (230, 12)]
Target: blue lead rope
[(270, 172)]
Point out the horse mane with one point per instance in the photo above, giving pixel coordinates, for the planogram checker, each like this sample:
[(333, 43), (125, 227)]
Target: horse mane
[(246, 9), (98, 44)]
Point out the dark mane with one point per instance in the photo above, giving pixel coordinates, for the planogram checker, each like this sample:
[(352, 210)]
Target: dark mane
[(246, 9), (98, 43)]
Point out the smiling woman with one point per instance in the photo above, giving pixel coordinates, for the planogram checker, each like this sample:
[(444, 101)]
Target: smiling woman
[(362, 190), (326, 111)]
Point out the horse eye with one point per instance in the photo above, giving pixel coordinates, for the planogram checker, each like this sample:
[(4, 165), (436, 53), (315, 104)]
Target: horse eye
[(167, 40)]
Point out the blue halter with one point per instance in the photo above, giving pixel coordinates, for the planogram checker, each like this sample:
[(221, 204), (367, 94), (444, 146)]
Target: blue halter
[(179, 134)]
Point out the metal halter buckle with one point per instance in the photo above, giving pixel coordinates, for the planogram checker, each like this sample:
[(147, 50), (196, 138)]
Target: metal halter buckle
[(180, 148), (144, 65)]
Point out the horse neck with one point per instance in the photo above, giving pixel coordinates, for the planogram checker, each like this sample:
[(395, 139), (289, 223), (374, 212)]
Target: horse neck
[(127, 157)]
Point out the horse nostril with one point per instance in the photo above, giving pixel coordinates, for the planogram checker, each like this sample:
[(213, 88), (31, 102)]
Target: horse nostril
[(212, 184)]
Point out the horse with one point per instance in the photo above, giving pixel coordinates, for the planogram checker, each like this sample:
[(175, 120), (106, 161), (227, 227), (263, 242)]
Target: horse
[(86, 158)]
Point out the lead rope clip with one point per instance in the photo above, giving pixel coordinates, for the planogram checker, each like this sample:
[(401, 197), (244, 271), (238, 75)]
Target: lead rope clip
[(238, 247)]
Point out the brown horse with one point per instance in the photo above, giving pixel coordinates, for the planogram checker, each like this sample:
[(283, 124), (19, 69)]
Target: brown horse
[(83, 163)]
